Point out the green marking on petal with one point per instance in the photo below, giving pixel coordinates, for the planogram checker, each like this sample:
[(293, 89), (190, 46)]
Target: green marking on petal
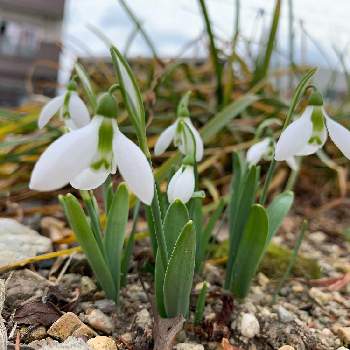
[(317, 119), (105, 136)]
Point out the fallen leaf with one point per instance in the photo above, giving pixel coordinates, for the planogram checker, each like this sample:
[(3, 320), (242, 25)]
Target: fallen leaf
[(37, 313)]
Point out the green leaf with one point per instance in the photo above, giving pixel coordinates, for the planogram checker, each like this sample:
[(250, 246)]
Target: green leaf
[(245, 199), (117, 220), (203, 240), (278, 210), (222, 118), (251, 250), (131, 95), (179, 274), (85, 81), (198, 317), (263, 61), (86, 239), (174, 221)]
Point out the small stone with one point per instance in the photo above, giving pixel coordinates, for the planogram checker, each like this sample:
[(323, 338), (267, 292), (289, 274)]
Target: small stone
[(102, 343), (87, 286), (188, 346), (249, 326), (297, 287), (317, 237), (24, 284), (100, 321), (106, 305), (286, 347), (19, 242), (127, 337), (84, 331), (344, 334), (65, 326), (263, 280), (143, 319), (37, 334), (342, 348), (284, 315), (319, 296)]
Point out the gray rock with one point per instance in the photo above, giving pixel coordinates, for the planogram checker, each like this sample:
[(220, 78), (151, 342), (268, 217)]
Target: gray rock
[(87, 286), (284, 315), (188, 346), (106, 305), (71, 343), (143, 319), (249, 325), (23, 285), (100, 321), (19, 242)]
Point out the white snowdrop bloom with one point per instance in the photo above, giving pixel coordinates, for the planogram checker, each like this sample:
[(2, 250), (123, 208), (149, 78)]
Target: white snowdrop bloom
[(182, 184), (309, 133), (264, 150), (71, 107), (182, 133), (86, 156)]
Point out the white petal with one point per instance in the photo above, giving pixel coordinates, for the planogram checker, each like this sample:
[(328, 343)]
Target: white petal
[(339, 135), (292, 163), (258, 151), (295, 137), (182, 185), (165, 139), (49, 110), (313, 148), (172, 185), (78, 111), (198, 140), (65, 158), (89, 179), (134, 167)]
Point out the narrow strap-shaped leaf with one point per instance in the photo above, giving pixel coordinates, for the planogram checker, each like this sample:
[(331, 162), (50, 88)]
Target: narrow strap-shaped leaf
[(130, 245), (207, 233), (85, 81), (117, 220), (86, 239), (251, 250), (179, 274), (131, 95), (175, 219), (278, 210), (246, 200), (198, 316)]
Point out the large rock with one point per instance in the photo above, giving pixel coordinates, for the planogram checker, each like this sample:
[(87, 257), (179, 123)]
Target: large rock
[(19, 242)]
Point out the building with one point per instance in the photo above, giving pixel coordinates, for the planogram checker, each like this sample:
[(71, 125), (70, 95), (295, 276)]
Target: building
[(30, 32)]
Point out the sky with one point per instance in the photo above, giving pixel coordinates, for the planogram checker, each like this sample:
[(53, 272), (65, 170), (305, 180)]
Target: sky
[(172, 24)]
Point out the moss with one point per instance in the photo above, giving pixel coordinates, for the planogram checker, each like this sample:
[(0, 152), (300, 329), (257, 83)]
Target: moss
[(275, 261)]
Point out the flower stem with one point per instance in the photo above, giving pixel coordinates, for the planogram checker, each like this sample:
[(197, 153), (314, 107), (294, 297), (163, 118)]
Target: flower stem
[(158, 228)]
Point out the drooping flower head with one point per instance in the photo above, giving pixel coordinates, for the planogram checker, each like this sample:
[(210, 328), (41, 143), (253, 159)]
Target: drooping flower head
[(86, 156), (70, 106), (182, 184), (308, 134), (182, 133), (264, 149)]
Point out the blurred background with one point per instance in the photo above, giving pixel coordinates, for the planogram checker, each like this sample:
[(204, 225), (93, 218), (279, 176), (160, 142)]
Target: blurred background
[(40, 40)]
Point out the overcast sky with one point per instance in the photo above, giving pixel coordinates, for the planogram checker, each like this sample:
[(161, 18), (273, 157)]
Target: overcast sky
[(173, 23)]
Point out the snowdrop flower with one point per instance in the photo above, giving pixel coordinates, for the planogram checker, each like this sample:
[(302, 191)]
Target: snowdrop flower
[(72, 109), (309, 133), (264, 150), (86, 156), (182, 184), (182, 133)]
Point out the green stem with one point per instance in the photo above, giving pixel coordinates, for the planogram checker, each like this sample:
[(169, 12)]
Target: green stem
[(158, 228), (298, 93), (213, 53)]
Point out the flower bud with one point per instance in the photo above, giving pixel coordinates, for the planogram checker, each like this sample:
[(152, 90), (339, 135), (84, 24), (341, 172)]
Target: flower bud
[(107, 106)]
